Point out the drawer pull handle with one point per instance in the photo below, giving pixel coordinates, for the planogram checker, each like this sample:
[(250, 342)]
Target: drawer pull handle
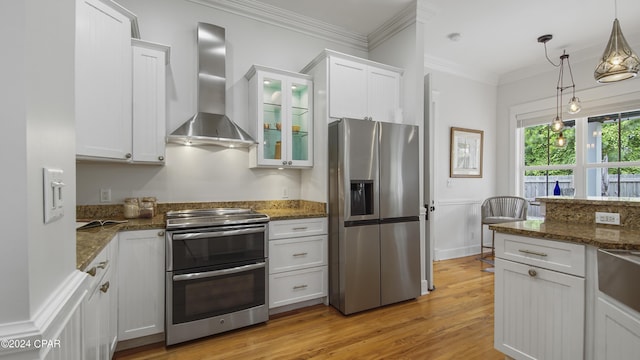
[(103, 264), (533, 273), (92, 271), (300, 228), (105, 287), (300, 254), (300, 287), (532, 252)]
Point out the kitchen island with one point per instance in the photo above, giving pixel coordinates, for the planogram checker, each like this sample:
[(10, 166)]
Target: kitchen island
[(549, 299)]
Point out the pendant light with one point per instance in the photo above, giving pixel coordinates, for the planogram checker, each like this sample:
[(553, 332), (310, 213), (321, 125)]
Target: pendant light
[(560, 141), (557, 125), (618, 62)]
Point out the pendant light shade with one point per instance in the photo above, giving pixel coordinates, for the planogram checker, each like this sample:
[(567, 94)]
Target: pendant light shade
[(618, 61), (557, 124), (574, 106), (560, 141)]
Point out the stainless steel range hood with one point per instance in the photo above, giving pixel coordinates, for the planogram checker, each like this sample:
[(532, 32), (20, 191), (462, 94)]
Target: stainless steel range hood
[(210, 125)]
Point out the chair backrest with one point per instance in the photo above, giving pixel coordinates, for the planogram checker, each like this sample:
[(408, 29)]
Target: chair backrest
[(508, 206)]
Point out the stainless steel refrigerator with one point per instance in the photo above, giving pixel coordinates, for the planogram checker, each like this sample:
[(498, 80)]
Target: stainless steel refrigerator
[(374, 204)]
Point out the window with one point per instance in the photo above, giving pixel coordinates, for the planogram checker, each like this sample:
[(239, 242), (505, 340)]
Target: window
[(601, 158)]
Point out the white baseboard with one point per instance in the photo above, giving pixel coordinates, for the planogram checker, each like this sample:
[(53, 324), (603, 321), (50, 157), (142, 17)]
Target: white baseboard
[(424, 287), (41, 335)]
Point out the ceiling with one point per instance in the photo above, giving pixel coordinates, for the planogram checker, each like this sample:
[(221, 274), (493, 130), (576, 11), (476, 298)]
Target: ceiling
[(497, 37)]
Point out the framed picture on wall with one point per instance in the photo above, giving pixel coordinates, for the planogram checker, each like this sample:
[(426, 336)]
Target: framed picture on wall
[(466, 153)]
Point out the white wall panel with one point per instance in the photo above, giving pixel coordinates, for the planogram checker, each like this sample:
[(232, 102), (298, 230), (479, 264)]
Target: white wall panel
[(458, 228)]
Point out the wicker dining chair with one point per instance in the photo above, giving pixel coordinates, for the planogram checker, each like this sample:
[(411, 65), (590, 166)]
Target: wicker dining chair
[(496, 210)]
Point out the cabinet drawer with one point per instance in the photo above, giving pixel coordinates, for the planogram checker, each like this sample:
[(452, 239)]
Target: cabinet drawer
[(296, 286), (296, 228), (297, 253), (560, 256)]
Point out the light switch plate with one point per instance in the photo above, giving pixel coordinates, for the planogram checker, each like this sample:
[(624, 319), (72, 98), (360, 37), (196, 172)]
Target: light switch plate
[(53, 195)]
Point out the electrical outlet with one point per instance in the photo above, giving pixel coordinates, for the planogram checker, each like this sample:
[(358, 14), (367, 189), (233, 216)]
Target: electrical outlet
[(105, 195), (285, 193), (607, 218)]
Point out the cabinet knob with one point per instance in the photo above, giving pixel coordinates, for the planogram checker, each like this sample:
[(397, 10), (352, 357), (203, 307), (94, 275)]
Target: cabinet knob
[(533, 273), (284, 163), (105, 287), (128, 156), (160, 233), (290, 162), (103, 264), (92, 271), (161, 158)]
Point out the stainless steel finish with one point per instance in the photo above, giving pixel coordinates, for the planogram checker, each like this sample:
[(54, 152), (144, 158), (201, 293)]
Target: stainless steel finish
[(358, 142), (533, 273), (213, 325), (213, 217), (618, 274), (374, 251), (360, 274), (200, 226), (104, 287), (400, 259), (530, 252), (209, 274), (202, 235), (210, 125), (398, 157)]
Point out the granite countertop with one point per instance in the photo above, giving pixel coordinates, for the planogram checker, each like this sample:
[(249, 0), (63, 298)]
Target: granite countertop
[(90, 242), (601, 236)]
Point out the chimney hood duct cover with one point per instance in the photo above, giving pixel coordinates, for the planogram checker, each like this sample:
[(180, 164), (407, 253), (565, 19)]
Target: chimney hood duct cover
[(210, 126)]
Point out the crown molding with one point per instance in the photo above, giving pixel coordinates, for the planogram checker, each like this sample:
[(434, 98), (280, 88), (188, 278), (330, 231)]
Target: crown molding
[(391, 27), (288, 20), (443, 65)]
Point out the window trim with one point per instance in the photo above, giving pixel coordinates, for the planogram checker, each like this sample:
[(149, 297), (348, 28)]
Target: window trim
[(619, 97)]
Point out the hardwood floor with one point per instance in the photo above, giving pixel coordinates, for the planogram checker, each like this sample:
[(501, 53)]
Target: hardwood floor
[(453, 322)]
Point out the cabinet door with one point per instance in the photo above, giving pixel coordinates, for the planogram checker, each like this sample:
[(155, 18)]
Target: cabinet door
[(103, 82), (383, 94), (270, 111), (141, 284), (149, 103), (91, 325), (347, 89), (617, 331), (300, 141), (539, 314)]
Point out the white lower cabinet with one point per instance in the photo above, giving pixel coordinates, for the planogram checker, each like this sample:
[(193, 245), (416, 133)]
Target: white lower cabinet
[(297, 261), (539, 311), (617, 333), (100, 312), (141, 280)]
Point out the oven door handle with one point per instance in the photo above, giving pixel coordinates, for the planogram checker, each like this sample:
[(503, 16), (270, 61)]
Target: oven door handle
[(208, 274), (196, 235)]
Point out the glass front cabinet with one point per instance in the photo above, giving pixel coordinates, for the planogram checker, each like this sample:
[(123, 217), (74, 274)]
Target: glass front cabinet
[(281, 104)]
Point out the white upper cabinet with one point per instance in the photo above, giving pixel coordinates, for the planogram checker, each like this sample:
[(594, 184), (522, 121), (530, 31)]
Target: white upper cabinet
[(360, 89), (103, 81), (281, 104), (149, 101)]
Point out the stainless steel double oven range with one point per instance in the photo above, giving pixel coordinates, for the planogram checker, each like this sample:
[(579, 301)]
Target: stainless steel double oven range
[(216, 272)]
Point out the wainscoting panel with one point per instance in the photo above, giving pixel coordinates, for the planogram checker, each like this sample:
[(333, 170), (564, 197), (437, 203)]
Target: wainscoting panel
[(457, 225)]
